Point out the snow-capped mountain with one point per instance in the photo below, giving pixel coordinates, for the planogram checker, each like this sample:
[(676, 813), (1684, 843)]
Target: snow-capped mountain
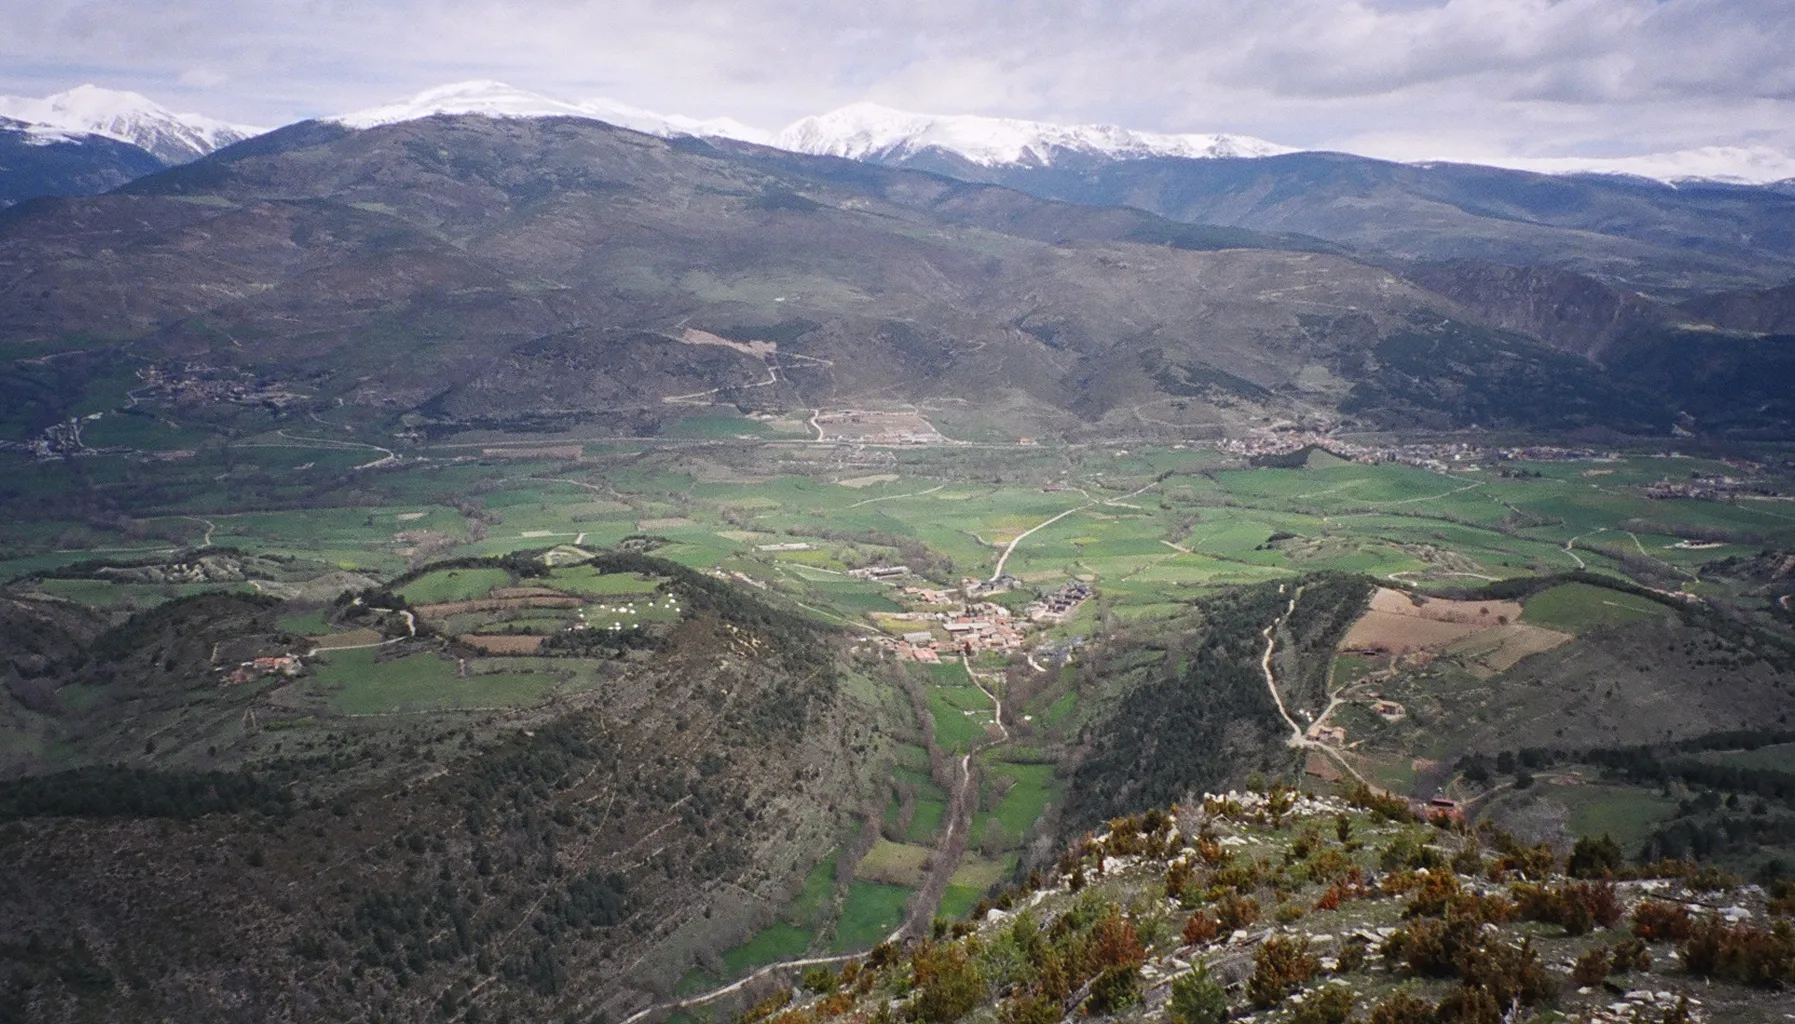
[(496, 99), (867, 131), (38, 160), (129, 117)]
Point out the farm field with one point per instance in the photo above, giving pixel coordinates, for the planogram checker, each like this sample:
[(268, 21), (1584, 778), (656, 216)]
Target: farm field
[(871, 912), (1578, 607), (357, 683)]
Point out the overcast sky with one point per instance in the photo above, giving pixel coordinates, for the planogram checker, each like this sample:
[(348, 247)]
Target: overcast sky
[(1409, 79)]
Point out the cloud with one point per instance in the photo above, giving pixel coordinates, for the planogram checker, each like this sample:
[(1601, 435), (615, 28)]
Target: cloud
[(203, 78), (1531, 77)]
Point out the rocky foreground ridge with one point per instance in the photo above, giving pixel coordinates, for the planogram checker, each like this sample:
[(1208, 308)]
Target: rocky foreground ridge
[(1280, 906)]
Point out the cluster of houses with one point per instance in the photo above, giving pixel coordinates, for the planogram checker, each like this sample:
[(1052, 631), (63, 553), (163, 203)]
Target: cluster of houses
[(972, 629), (198, 382), (1707, 487), (995, 585), (1059, 605)]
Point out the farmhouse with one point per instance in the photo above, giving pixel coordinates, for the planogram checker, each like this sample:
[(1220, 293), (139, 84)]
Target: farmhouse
[(279, 665), (880, 572)]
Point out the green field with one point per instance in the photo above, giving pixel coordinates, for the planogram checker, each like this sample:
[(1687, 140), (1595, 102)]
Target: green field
[(971, 881), (1627, 813), (587, 582), (1579, 607), (927, 822), (778, 941), (453, 585), (356, 683), (872, 912), (1027, 800), (1778, 757)]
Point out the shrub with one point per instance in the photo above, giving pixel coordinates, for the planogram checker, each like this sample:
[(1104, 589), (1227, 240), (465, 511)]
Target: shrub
[(1030, 1008), (1741, 953), (1330, 900), (1352, 955), (1657, 921), (1782, 897), (1331, 1005), (1409, 849), (766, 1007), (1591, 967), (1124, 837), (1177, 879), (1389, 808), (1432, 947), (1628, 956), (947, 982), (1534, 863), (1469, 859), (1197, 999), (1595, 858), (1466, 1005), (1578, 906), (1200, 928), (1281, 964), (1234, 912), (1433, 894), (1213, 853), (1510, 974), (1402, 1008), (820, 979), (1115, 950), (1333, 865)]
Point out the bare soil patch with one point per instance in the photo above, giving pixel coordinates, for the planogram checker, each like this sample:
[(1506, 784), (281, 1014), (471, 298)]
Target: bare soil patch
[(670, 523), (350, 638), (500, 643), (1438, 609), (867, 481), (1399, 623), (1499, 649)]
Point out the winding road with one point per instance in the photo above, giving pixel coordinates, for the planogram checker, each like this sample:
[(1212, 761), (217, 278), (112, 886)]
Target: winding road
[(1298, 737), (1019, 538)]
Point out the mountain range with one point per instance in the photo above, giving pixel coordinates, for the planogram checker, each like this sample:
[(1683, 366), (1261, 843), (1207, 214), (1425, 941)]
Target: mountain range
[(458, 271), (482, 255), (862, 131)]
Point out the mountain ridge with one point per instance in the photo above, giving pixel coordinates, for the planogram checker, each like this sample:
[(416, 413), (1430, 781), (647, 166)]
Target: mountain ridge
[(128, 117)]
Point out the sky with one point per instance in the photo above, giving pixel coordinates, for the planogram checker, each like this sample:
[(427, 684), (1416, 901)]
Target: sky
[(1405, 79)]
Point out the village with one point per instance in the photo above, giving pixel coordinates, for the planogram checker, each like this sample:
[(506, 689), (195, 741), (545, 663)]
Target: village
[(1441, 457), (199, 383), (955, 622)]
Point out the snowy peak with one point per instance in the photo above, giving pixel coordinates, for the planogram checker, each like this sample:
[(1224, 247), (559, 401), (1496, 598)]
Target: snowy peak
[(867, 131), (499, 100), (485, 98), (129, 117)]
